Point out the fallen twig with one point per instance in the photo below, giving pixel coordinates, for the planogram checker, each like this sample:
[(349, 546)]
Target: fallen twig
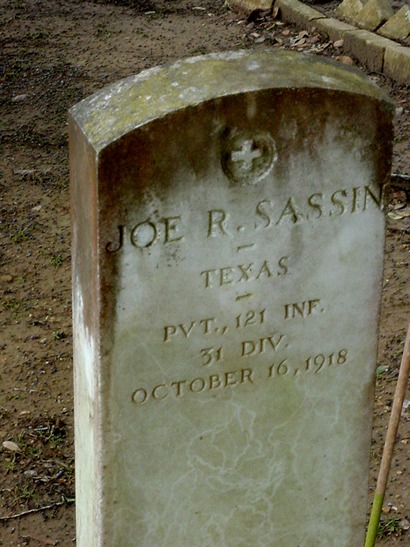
[(38, 509), (400, 176), (398, 180)]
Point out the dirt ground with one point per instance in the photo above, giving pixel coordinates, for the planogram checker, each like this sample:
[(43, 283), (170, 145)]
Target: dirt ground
[(53, 54)]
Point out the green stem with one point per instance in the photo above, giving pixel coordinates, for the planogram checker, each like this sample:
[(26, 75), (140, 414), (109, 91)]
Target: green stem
[(374, 520)]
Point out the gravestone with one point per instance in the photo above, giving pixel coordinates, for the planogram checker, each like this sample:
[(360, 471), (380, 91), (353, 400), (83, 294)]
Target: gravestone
[(228, 234)]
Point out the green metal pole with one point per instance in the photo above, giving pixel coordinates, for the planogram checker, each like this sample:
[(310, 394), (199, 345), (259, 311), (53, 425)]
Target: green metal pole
[(389, 444)]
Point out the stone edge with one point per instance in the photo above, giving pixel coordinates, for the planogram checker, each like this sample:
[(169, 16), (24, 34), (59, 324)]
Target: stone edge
[(377, 53)]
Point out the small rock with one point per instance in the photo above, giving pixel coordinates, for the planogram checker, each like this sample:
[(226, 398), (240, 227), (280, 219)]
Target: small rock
[(9, 445), (345, 59), (24, 171), (339, 43), (404, 524), (30, 473), (36, 209), (349, 9), (398, 26), (19, 98), (374, 14)]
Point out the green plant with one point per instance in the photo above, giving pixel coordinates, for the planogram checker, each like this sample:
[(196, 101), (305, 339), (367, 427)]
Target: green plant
[(16, 306), (19, 236), (56, 260), (382, 369), (11, 466), (25, 493), (102, 30), (388, 527)]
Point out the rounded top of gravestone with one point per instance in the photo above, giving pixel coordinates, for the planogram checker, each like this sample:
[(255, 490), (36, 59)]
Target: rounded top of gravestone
[(134, 101)]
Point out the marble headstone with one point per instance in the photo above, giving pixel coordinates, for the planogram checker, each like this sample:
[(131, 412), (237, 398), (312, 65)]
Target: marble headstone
[(228, 234)]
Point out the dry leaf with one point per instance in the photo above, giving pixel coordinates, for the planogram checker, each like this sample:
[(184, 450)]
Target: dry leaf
[(394, 216), (338, 43)]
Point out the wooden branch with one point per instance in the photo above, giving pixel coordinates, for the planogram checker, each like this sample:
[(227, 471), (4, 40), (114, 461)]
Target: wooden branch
[(389, 444)]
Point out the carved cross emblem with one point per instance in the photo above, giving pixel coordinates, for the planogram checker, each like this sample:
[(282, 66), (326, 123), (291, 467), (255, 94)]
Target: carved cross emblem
[(248, 156)]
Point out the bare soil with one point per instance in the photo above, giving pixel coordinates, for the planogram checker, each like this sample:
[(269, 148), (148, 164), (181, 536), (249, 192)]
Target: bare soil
[(53, 54)]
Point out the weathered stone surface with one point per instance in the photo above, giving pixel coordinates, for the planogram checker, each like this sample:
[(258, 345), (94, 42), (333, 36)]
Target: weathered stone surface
[(349, 9), (332, 28), (368, 48), (374, 14), (398, 26), (250, 5), (227, 263), (397, 63), (298, 13)]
